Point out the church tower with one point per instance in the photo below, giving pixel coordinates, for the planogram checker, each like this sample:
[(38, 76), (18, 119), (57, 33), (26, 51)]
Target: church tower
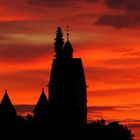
[(67, 89)]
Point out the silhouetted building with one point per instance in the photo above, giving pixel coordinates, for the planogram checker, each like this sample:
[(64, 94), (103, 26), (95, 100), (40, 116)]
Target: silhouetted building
[(41, 110), (67, 87), (8, 112), (7, 106)]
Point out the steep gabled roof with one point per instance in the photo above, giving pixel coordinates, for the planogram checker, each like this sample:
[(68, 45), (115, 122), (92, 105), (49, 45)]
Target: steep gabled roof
[(6, 104), (42, 104)]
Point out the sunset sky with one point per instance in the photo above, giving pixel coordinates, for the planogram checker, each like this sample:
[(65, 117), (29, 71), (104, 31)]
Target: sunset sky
[(104, 33)]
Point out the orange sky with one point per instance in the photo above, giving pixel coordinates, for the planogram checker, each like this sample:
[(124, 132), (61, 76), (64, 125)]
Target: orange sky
[(104, 33)]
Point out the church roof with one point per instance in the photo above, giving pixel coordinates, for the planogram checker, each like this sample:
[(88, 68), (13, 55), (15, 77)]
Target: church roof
[(42, 103), (7, 105)]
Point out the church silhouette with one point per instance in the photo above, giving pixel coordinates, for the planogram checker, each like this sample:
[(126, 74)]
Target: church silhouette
[(67, 100), (67, 86), (64, 113)]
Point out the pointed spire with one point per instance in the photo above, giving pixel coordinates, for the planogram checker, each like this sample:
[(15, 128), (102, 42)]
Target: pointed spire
[(6, 99), (42, 103), (6, 91), (7, 105), (42, 90), (59, 42)]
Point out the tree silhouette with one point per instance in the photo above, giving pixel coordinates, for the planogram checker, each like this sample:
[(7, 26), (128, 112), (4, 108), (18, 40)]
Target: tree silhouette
[(119, 132), (112, 131)]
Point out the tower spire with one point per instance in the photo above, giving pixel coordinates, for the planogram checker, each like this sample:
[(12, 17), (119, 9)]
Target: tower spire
[(59, 42), (67, 33), (6, 91), (42, 89)]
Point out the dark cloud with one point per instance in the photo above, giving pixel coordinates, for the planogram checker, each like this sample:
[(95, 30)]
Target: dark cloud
[(91, 109), (129, 5), (102, 74), (134, 125), (30, 80), (3, 37), (80, 19), (24, 108), (131, 18), (106, 108), (98, 111), (26, 75), (92, 1), (60, 3), (54, 3), (114, 3), (118, 21), (133, 53), (17, 53), (127, 61), (113, 92), (23, 26)]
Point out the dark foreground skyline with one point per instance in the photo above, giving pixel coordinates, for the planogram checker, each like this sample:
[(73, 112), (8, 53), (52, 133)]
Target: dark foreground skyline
[(105, 33), (64, 112)]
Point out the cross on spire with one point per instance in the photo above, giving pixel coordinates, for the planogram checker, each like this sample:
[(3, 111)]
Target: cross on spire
[(67, 33), (42, 89)]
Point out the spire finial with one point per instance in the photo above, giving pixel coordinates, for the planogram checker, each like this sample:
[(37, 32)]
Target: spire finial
[(42, 89), (67, 33), (5, 90)]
